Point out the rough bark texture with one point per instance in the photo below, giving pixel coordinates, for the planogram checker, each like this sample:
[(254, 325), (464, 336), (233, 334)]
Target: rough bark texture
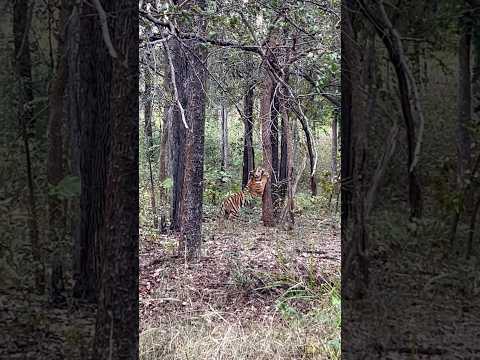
[(148, 107), (275, 113), (178, 134), (116, 330), (287, 215), (248, 153), (191, 224), (282, 171), (22, 17), (267, 204), (94, 65)]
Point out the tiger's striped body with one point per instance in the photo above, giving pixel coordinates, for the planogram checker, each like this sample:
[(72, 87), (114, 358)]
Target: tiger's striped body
[(232, 204)]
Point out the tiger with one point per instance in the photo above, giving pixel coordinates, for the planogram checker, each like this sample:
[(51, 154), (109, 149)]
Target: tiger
[(255, 187)]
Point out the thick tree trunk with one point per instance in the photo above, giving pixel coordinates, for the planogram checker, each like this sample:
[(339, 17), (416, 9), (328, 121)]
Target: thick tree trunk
[(265, 116), (148, 105), (178, 133), (191, 224), (23, 68), (116, 330), (223, 127), (248, 154), (94, 119)]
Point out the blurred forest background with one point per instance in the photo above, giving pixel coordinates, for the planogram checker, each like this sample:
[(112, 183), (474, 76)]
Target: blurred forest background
[(410, 178)]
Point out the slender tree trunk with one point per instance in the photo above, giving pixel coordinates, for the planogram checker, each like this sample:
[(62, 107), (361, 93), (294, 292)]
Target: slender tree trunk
[(22, 17), (282, 171), (248, 154), (55, 161), (464, 114), (116, 329), (149, 140), (287, 215), (72, 110), (223, 122), (275, 113), (334, 149), (191, 224), (265, 116)]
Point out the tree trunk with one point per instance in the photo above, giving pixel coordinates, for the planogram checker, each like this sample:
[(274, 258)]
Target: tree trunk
[(282, 171), (222, 120), (116, 330), (409, 101), (148, 105), (94, 119), (287, 215), (464, 115), (354, 125), (464, 99), (265, 116), (72, 110), (55, 161), (334, 149), (275, 113), (191, 224), (178, 133), (22, 18), (248, 154)]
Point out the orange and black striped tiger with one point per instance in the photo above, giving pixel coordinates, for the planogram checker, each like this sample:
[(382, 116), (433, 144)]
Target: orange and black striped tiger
[(255, 186)]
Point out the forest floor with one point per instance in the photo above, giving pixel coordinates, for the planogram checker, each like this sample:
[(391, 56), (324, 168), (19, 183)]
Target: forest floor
[(256, 293)]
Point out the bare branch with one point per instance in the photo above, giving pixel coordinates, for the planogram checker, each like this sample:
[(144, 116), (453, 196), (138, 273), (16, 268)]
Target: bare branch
[(174, 83), (105, 32)]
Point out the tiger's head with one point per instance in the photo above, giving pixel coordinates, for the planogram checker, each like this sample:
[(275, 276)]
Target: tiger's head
[(259, 174), (257, 180)]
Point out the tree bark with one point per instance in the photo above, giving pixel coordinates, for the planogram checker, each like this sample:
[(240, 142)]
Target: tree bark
[(22, 17), (178, 134), (334, 149), (464, 114), (191, 224), (148, 105), (55, 161), (248, 153), (72, 110), (275, 113), (116, 329), (94, 117), (265, 116)]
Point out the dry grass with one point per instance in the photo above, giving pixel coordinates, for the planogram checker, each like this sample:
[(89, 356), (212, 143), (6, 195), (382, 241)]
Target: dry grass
[(215, 338), (256, 293)]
